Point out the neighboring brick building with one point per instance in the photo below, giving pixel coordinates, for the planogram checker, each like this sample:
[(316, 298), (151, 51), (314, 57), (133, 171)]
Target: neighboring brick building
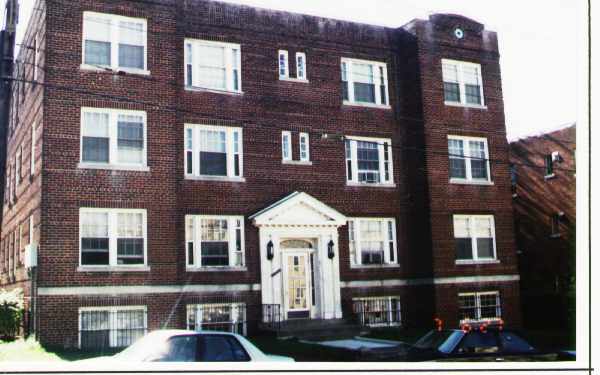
[(201, 162), (545, 215)]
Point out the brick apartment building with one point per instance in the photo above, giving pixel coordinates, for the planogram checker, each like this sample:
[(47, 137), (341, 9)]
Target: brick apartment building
[(195, 163), (544, 203)]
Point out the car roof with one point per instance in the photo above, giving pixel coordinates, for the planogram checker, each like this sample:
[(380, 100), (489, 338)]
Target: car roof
[(165, 333)]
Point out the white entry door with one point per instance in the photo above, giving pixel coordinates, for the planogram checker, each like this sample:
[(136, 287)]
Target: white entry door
[(297, 284)]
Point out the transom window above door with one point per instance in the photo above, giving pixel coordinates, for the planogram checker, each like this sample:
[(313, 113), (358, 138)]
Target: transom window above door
[(212, 65), (115, 42), (369, 161), (469, 159), (364, 82), (213, 152), (113, 138), (214, 241)]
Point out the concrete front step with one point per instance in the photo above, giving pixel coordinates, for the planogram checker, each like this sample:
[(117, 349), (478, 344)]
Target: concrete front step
[(319, 330)]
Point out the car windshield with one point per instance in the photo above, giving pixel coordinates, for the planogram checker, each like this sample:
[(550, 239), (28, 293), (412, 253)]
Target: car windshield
[(149, 346), (439, 340)]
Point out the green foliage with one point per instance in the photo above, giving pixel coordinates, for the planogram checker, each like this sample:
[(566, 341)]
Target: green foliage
[(11, 313)]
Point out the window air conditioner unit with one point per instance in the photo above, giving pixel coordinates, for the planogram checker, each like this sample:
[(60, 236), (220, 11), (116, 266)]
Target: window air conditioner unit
[(31, 255), (556, 157)]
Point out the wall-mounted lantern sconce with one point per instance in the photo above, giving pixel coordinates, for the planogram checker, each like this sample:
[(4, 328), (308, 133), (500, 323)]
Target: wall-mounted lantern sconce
[(330, 253), (270, 250)]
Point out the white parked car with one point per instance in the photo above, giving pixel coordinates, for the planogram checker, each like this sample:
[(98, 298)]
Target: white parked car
[(192, 346)]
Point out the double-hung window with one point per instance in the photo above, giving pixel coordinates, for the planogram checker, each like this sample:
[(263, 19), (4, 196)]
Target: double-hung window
[(479, 306), (227, 317), (372, 241), (475, 238), (32, 151), (213, 152), (213, 65), (462, 83), (113, 137), (369, 161), (112, 237), (214, 241), (469, 159), (286, 146), (364, 82), (111, 327), (115, 42), (304, 147), (284, 69)]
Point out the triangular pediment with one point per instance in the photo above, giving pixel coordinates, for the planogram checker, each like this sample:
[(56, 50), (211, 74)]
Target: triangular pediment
[(298, 209)]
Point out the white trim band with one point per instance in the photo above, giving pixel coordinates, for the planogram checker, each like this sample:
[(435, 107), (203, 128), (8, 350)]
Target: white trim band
[(429, 281), (145, 289)]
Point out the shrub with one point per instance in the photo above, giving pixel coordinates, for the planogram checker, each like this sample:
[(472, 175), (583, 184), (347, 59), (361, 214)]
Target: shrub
[(11, 313)]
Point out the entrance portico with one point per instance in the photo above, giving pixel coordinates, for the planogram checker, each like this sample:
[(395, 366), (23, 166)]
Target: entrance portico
[(297, 272)]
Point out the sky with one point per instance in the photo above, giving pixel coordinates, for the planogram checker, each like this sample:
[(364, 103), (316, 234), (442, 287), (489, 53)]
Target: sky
[(537, 41)]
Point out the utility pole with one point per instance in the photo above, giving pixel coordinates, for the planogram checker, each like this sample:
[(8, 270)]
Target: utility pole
[(7, 55)]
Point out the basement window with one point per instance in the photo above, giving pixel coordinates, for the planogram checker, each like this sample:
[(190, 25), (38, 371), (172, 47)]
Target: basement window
[(114, 42), (479, 306), (113, 237), (225, 317), (377, 311), (111, 327)]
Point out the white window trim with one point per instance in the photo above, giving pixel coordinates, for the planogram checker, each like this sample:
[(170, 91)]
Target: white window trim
[(114, 43), (376, 79), (353, 180), (197, 240), (32, 156), (113, 131), (36, 56), (461, 84), (356, 261), (388, 301), (229, 150), (280, 53), (289, 145), (234, 312), (478, 303), (467, 157), (475, 259), (112, 310), (18, 162), (305, 75), (112, 242), (229, 66), (304, 136), (31, 229)]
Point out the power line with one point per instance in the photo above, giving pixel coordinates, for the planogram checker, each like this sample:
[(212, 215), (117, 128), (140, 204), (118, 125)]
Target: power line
[(337, 136)]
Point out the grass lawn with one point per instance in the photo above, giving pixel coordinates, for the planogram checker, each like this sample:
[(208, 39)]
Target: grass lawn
[(31, 351)]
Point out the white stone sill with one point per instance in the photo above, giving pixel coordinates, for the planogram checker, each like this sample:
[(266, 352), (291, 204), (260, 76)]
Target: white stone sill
[(296, 162), (458, 181), (549, 176), (374, 266), (113, 269), (215, 178), (216, 269), (475, 262), (294, 79), (216, 91), (363, 184), (474, 106), (108, 69), (367, 105), (114, 167)]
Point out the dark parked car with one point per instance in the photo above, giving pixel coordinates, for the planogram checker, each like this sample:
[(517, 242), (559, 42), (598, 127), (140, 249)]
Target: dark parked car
[(473, 343)]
